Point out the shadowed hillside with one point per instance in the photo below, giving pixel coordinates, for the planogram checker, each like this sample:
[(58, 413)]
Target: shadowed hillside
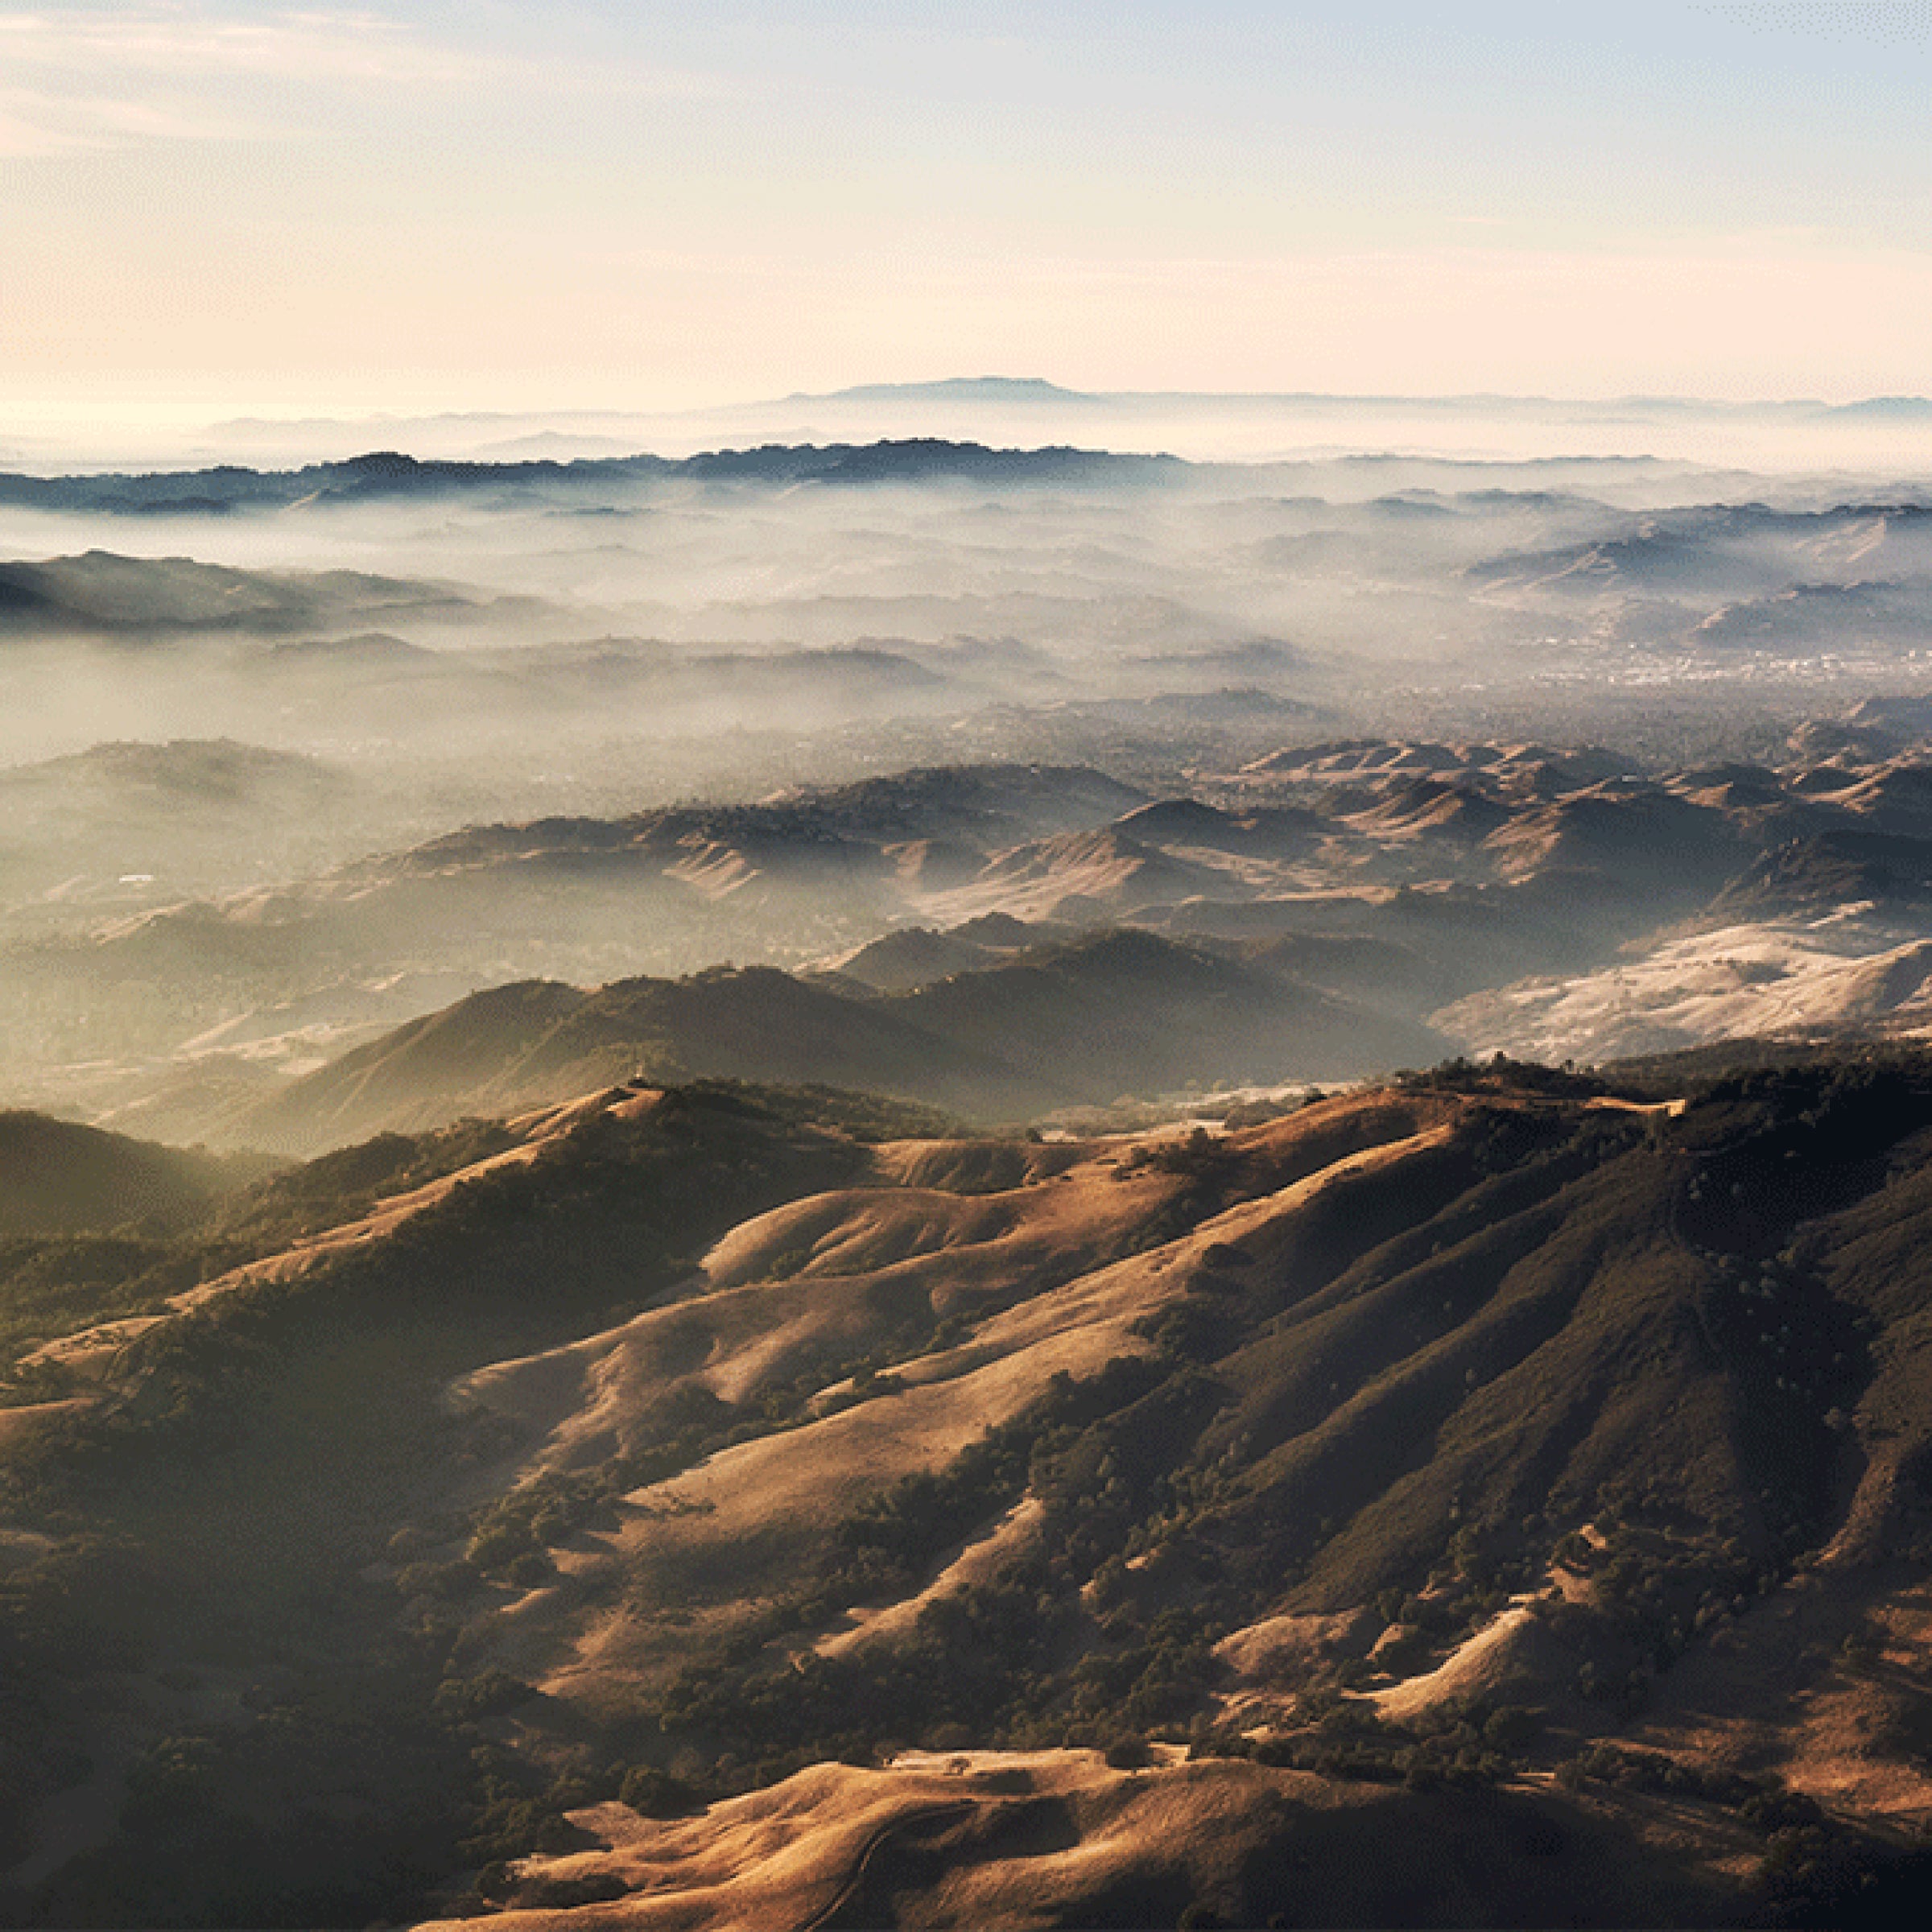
[(1024, 1031), (56, 1177), (1518, 1473)]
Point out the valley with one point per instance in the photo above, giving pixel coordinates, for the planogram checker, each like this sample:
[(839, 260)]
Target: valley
[(915, 1184), (965, 966)]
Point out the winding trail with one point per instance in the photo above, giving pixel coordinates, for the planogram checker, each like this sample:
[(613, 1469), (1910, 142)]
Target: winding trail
[(874, 1843)]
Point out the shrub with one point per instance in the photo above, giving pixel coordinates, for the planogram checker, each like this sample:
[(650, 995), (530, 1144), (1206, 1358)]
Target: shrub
[(530, 1571), (651, 1792), (492, 1692), (1511, 1726)]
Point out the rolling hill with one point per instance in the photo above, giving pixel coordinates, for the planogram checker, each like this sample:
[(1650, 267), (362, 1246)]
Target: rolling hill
[(59, 1177), (688, 1505), (102, 594), (1021, 1030), (1442, 871)]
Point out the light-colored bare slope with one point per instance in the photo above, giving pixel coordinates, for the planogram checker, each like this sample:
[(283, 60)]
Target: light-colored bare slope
[(1735, 982), (1054, 1838), (815, 1281)]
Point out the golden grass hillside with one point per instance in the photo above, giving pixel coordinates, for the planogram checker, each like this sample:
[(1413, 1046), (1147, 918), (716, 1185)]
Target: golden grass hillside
[(1489, 1461)]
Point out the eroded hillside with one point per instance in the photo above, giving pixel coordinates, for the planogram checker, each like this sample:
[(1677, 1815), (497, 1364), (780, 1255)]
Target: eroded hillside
[(952, 934), (709, 1506)]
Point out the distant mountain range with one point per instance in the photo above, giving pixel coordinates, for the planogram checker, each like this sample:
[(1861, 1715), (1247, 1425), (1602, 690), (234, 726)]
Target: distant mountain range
[(1006, 390), (1246, 426), (954, 934), (386, 473)]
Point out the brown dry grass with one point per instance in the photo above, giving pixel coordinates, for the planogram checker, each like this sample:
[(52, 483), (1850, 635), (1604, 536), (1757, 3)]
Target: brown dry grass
[(718, 1540), (1027, 1840)]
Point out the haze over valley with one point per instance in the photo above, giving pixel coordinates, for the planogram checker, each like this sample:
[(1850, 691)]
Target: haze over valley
[(942, 1177), (1351, 761), (965, 966)]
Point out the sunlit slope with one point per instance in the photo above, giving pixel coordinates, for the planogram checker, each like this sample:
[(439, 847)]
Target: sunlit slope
[(1060, 1838), (1782, 979), (1505, 1300), (983, 1305), (694, 1437)]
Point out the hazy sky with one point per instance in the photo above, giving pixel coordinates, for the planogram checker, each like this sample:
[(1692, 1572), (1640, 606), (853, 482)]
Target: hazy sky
[(589, 202)]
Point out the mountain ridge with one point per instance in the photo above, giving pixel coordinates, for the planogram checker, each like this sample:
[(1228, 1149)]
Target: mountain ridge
[(1426, 1456), (379, 474)]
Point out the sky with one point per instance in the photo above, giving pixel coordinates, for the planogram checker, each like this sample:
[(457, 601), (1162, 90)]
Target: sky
[(616, 204)]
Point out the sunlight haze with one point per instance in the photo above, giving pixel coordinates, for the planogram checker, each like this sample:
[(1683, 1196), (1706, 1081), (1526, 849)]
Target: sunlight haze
[(213, 206)]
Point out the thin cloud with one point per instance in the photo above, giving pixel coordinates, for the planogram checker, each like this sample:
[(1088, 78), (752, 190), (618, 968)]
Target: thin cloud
[(180, 42), (39, 124), (111, 78)]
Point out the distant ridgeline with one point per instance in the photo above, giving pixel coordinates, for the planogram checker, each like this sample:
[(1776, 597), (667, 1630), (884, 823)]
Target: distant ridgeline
[(388, 473)]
